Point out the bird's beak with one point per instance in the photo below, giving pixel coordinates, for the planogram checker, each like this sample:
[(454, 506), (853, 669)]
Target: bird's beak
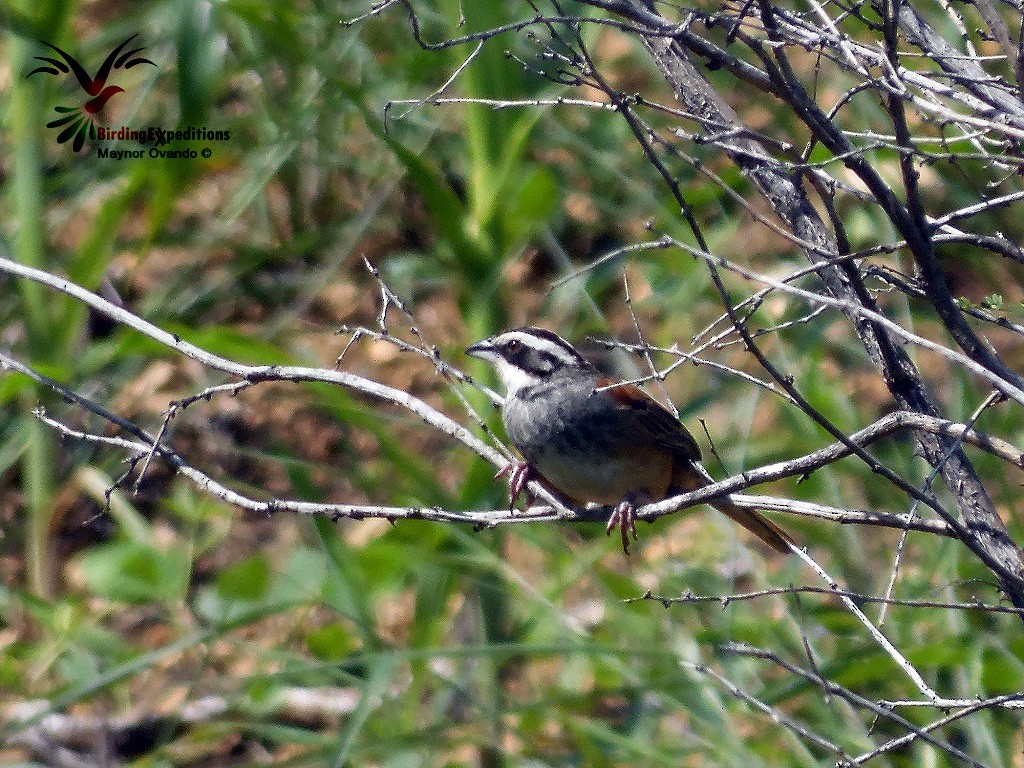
[(483, 349)]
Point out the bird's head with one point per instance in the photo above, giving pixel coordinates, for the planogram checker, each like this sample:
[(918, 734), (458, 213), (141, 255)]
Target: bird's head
[(524, 357)]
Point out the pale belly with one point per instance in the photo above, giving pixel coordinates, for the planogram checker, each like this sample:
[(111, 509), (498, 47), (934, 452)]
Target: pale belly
[(606, 481), (585, 449)]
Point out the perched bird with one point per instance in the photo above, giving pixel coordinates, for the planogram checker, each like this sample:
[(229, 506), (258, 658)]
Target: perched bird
[(593, 439)]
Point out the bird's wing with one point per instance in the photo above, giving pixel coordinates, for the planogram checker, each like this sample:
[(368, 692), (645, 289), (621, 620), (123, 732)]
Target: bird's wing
[(658, 421)]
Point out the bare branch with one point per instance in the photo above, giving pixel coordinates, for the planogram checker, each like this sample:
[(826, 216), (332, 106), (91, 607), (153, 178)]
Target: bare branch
[(725, 600)]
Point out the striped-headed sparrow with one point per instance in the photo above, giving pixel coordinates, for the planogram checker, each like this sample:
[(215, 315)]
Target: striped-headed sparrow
[(592, 439)]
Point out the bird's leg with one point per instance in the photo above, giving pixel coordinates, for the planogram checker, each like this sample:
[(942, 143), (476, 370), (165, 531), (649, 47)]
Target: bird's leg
[(623, 516), (519, 474)]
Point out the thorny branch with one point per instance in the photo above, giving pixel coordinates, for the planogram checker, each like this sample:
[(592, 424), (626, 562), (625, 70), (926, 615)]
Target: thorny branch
[(739, 597)]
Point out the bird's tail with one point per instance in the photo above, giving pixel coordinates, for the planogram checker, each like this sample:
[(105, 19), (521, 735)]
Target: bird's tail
[(695, 476)]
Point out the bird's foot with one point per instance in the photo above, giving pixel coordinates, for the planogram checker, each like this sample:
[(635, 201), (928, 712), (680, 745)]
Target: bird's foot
[(519, 474), (623, 517)]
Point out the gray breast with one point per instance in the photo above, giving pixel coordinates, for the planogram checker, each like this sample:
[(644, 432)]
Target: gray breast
[(568, 432)]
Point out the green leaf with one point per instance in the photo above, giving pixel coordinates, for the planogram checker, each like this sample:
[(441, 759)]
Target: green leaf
[(302, 578), (131, 572), (331, 642), (533, 204), (345, 588), (233, 344), (245, 580)]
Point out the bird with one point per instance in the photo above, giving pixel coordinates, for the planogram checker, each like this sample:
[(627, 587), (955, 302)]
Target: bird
[(591, 438)]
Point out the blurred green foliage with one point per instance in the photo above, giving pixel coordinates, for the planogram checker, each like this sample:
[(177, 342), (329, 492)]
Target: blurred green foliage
[(510, 647)]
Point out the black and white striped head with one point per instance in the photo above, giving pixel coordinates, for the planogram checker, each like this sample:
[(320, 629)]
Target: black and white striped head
[(525, 357)]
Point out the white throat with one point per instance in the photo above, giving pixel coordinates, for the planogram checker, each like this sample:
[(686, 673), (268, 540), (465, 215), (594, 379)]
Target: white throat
[(513, 378)]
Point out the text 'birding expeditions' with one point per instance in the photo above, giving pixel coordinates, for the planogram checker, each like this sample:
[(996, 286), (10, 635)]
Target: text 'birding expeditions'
[(157, 139)]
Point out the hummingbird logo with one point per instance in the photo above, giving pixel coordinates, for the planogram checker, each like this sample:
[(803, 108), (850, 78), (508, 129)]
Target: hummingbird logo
[(80, 119)]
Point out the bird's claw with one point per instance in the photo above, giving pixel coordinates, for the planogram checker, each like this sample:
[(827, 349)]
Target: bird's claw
[(519, 474), (623, 517)]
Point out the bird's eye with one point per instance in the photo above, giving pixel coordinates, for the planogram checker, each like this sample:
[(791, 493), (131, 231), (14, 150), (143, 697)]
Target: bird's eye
[(512, 345)]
